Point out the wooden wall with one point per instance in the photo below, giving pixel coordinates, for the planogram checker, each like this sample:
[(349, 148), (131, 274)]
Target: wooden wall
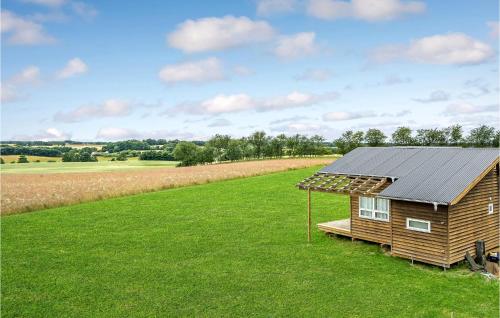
[(369, 230), (425, 247), (469, 220)]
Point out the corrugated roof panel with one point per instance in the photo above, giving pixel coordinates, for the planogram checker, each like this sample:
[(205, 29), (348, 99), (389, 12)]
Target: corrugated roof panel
[(429, 174)]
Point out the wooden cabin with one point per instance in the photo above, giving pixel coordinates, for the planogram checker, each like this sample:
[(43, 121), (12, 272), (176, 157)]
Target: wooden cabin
[(429, 204)]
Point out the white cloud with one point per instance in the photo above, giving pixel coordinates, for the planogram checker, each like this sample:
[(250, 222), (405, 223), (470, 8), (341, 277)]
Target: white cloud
[(268, 7), (115, 133), (9, 88), (50, 134), (84, 10), (453, 48), (396, 79), (227, 104), (318, 75), (29, 75), (494, 29), (296, 46), (8, 93), (110, 108), (435, 96), (74, 67), (242, 102), (367, 10), (206, 70), (341, 116), (215, 34), (23, 31), (242, 70), (467, 108), (48, 3)]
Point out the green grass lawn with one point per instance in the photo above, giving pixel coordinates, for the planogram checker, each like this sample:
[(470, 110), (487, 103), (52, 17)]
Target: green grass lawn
[(230, 248), (101, 166)]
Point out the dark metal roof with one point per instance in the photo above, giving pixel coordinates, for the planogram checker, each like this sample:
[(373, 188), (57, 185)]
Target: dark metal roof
[(427, 174)]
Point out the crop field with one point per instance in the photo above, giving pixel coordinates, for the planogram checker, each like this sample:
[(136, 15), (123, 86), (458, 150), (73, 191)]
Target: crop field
[(39, 189), (103, 165), (229, 248), (11, 160)]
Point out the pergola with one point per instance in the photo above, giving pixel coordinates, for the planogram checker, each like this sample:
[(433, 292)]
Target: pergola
[(340, 183)]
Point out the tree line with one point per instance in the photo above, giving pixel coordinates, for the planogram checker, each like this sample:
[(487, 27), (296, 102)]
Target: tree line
[(480, 137)]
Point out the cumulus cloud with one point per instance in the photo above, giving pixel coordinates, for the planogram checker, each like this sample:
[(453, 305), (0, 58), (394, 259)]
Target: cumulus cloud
[(296, 46), (467, 108), (242, 70), (288, 119), (74, 67), (396, 79), (84, 10), (50, 134), (8, 93), (206, 70), (243, 102), (216, 34), (9, 89), (268, 7), (435, 96), (317, 75), (494, 29), (367, 10), (342, 116), (110, 108), (116, 133), (22, 31), (453, 48)]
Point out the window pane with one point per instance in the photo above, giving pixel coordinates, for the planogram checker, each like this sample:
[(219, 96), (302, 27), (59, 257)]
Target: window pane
[(418, 225), (382, 205), (366, 203), (366, 213), (380, 215)]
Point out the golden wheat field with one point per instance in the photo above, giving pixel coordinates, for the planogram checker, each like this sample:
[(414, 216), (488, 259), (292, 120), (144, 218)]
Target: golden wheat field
[(28, 192)]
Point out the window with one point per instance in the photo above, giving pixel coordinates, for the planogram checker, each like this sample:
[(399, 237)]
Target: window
[(374, 208), (418, 225), (490, 208)]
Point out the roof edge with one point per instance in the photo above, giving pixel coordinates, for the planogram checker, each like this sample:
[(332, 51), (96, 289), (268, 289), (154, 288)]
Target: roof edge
[(475, 182)]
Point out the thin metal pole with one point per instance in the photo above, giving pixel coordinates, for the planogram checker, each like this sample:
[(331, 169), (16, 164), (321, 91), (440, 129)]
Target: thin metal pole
[(309, 215)]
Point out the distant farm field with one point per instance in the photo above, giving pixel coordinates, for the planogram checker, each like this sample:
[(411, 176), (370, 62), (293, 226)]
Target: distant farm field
[(234, 248), (12, 160), (35, 187), (103, 165)]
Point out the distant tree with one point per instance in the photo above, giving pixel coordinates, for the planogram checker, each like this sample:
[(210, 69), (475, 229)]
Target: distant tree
[(258, 140), (483, 136), (122, 156), (402, 137), (349, 141), (220, 144), (2, 161), (496, 139), (234, 151), (22, 159), (187, 153), (455, 135), (207, 154), (431, 137), (375, 137)]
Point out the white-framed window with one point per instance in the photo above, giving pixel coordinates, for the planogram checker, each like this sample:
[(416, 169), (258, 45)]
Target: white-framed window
[(490, 208), (374, 208), (418, 225)]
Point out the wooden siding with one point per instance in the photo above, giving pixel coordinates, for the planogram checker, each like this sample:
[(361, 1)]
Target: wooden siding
[(469, 220), (366, 229), (420, 246)]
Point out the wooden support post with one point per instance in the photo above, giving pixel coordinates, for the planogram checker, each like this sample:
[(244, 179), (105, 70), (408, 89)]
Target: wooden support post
[(309, 215)]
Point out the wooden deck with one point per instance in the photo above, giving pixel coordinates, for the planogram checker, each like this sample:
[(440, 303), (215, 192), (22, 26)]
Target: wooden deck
[(340, 227)]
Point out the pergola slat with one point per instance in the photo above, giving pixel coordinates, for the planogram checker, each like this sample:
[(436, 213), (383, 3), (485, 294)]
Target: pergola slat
[(348, 184)]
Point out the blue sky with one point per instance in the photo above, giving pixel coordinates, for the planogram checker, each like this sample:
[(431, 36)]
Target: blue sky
[(110, 70)]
